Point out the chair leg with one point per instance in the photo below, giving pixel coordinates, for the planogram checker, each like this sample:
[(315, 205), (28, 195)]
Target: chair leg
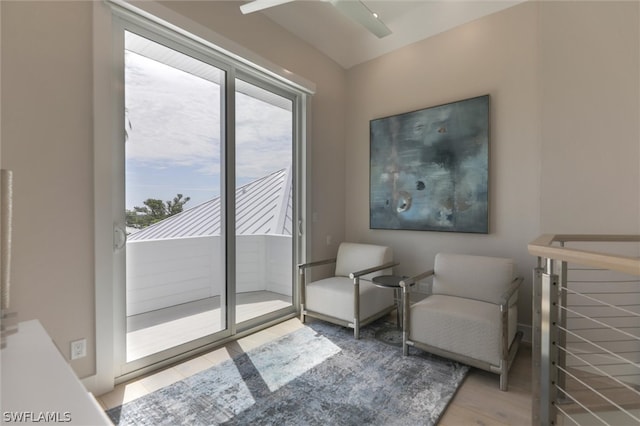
[(505, 364), (405, 335), (503, 381), (356, 331), (504, 376)]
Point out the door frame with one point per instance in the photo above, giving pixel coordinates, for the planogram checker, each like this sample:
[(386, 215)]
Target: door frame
[(110, 19), (185, 46)]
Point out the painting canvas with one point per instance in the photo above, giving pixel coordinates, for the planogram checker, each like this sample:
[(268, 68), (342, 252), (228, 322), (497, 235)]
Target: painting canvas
[(430, 168)]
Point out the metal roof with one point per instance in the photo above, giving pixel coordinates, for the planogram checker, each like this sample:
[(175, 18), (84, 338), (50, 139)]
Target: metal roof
[(263, 206)]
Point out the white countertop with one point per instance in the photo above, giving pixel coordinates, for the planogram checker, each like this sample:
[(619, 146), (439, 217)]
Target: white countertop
[(38, 384)]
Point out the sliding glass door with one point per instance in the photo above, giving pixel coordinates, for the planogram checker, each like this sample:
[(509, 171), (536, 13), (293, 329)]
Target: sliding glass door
[(175, 273), (264, 202), (205, 229)]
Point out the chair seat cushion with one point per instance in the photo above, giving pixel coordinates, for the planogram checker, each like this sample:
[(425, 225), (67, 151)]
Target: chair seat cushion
[(463, 326), (334, 297)]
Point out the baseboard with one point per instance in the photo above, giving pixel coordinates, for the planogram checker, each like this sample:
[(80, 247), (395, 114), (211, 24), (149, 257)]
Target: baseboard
[(527, 332), (92, 385)]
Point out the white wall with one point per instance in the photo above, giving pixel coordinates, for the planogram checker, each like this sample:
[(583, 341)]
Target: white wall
[(47, 142), (590, 117), (564, 148), (523, 57), (496, 55), (168, 272), (278, 264), (47, 137)]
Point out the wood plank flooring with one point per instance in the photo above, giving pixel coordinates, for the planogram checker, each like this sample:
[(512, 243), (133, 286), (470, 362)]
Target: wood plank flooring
[(479, 400)]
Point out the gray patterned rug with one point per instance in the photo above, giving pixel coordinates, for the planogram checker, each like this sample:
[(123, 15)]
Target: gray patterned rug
[(318, 375)]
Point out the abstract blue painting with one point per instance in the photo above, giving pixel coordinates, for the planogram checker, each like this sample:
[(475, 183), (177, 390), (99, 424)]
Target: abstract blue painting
[(430, 168)]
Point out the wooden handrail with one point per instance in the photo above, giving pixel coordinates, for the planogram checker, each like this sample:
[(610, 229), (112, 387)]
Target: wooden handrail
[(542, 247)]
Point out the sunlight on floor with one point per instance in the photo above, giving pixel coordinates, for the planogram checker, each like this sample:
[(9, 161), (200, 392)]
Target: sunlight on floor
[(479, 400), (322, 349), (140, 387)]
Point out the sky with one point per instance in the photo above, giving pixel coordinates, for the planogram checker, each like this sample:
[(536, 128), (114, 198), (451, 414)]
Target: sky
[(173, 127)]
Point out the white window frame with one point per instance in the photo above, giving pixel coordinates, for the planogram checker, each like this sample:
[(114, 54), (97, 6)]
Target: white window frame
[(108, 46)]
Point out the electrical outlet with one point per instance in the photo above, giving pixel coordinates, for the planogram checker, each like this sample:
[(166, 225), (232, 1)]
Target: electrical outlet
[(78, 348)]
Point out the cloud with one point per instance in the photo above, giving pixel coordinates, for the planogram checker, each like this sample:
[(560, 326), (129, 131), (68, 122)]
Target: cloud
[(263, 137), (175, 119), (175, 116), (174, 143)]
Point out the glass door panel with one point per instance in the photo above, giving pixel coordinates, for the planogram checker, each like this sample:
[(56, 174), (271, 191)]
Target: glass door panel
[(175, 269), (264, 203)]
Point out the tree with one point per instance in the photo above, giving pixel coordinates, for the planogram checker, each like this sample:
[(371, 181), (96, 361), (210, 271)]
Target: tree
[(154, 210), (176, 206)]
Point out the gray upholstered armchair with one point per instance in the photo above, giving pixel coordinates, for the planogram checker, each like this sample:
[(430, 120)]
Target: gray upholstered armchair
[(348, 298), (471, 314)]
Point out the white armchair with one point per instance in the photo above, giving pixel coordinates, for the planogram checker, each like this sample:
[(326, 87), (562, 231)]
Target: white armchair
[(470, 316), (348, 298)]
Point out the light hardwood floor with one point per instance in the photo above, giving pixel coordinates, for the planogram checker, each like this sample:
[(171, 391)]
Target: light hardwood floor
[(479, 400)]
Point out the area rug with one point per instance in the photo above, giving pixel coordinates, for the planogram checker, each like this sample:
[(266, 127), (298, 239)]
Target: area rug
[(317, 375)]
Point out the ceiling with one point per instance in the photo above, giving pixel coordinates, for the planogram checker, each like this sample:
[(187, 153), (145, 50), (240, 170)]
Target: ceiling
[(320, 24)]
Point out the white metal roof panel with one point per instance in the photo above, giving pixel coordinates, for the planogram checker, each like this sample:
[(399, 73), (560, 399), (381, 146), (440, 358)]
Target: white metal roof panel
[(263, 206)]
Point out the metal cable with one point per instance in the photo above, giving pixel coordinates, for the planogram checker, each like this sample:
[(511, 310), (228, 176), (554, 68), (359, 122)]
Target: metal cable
[(604, 373), (567, 416), (606, 353), (603, 281), (601, 302), (605, 364), (581, 405), (600, 328), (628, 305), (605, 326), (589, 269), (615, 355), (597, 393), (604, 317)]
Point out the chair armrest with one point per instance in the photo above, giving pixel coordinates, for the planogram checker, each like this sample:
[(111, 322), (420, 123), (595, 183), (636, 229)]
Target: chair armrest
[(408, 282), (506, 296), (373, 269), (303, 266)]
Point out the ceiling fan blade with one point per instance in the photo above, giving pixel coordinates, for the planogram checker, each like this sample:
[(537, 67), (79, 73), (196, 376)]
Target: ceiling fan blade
[(360, 13), (257, 5)]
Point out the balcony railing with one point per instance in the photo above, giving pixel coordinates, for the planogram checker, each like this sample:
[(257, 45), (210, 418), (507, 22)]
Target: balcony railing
[(168, 272), (586, 330)]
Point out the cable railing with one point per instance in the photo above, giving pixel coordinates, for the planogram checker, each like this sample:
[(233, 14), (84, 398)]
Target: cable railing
[(586, 330)]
